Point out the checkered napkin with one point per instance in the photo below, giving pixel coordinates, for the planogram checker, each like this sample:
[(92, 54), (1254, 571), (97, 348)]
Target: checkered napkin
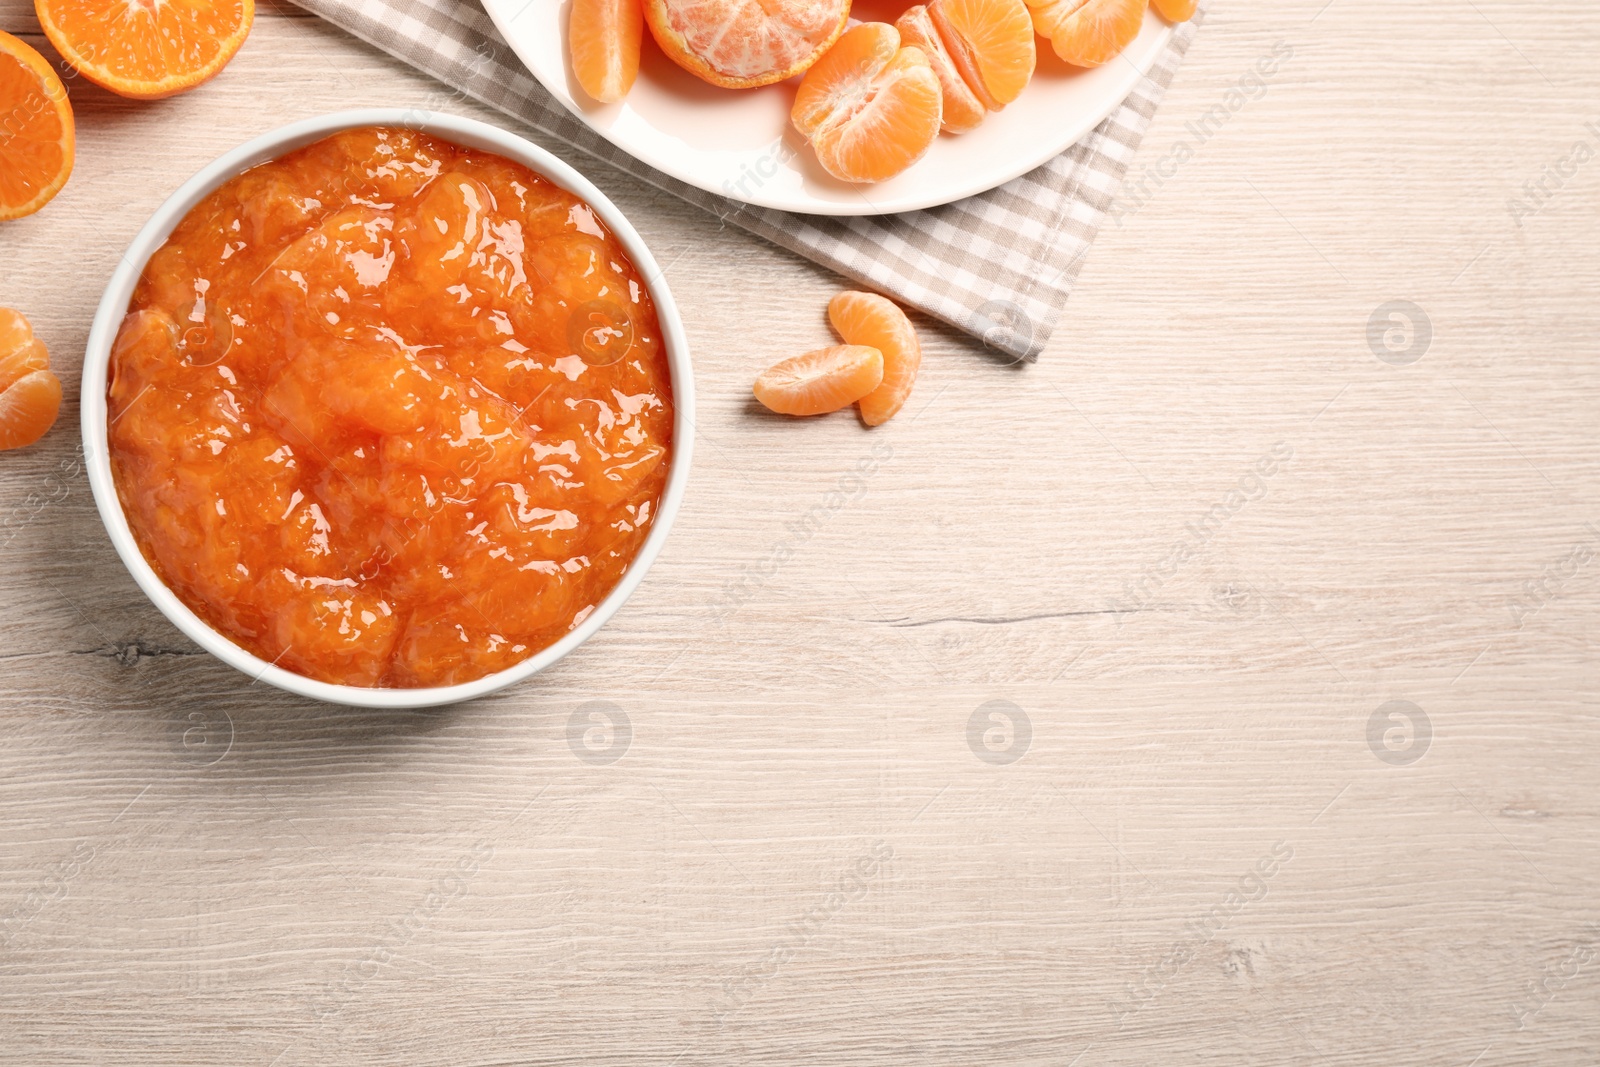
[(998, 265)]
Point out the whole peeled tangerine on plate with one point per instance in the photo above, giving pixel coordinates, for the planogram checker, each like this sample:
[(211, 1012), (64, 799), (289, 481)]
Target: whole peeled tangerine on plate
[(742, 44)]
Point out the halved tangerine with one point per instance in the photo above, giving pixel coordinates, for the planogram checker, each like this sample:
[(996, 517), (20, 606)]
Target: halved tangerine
[(604, 37), (991, 42), (147, 49), (821, 381), (962, 110), (740, 44), (874, 321), (30, 396), (36, 133), (1088, 33), (869, 107)]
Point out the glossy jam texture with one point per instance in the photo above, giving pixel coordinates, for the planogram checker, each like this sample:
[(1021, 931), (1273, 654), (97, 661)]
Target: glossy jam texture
[(390, 412)]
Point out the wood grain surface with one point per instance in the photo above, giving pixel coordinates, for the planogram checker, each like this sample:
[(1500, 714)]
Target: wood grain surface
[(1066, 734)]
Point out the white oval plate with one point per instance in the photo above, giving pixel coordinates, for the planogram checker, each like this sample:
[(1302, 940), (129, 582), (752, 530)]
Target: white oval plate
[(739, 144)]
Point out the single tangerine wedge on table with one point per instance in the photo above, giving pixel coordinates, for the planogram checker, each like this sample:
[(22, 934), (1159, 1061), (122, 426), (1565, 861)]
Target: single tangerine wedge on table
[(821, 381), (870, 108), (30, 396), (604, 37), (874, 321), (1088, 33), (36, 134), (741, 44), (1175, 10), (147, 49)]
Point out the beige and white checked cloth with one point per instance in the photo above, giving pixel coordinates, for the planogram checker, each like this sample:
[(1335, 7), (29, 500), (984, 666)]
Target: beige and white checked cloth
[(999, 265)]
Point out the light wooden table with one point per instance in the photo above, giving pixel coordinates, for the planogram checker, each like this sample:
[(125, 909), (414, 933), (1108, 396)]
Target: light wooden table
[(1209, 850)]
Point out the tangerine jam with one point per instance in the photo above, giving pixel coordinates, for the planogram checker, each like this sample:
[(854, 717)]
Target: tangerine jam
[(387, 411)]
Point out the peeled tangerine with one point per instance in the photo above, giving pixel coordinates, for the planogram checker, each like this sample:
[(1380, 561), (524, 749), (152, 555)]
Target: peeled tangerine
[(981, 50), (604, 37), (740, 44), (30, 396), (870, 108), (1088, 33)]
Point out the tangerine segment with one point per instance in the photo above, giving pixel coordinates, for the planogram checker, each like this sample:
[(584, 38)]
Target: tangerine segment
[(843, 77), (604, 37), (868, 119), (871, 320), (962, 110), (991, 42), (893, 128), (740, 44), (28, 409), (36, 130), (22, 361), (1175, 10), (147, 49), (15, 331), (821, 381), (1089, 33), (20, 352)]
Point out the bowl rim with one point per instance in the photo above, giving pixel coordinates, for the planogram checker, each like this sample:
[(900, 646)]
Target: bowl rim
[(470, 133)]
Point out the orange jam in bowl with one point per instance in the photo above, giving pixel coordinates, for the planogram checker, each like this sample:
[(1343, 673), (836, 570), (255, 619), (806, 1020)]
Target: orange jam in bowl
[(390, 412)]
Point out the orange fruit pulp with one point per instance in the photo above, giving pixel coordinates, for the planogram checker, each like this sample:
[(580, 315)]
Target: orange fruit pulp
[(1088, 33), (604, 37), (991, 42), (36, 130), (147, 49), (821, 381), (869, 107), (982, 51), (30, 396), (741, 44), (390, 411), (875, 322), (962, 109)]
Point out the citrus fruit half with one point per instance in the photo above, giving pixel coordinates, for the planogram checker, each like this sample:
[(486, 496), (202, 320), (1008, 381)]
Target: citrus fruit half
[(36, 130), (147, 49)]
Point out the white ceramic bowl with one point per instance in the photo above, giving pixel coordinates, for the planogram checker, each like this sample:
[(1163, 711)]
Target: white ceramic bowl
[(114, 305)]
